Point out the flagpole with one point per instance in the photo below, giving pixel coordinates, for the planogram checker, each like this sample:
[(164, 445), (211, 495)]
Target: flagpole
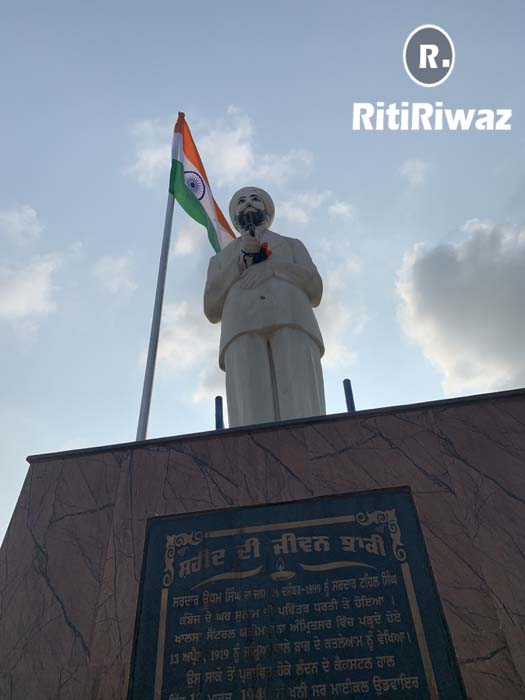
[(149, 374)]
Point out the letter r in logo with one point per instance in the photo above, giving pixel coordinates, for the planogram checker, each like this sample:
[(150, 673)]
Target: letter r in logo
[(427, 55)]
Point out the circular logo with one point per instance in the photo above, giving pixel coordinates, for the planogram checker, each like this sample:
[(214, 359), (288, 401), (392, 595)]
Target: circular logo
[(429, 55), (195, 183)]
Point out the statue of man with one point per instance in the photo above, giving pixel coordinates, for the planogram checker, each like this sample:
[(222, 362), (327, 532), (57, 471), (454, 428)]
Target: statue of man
[(262, 287)]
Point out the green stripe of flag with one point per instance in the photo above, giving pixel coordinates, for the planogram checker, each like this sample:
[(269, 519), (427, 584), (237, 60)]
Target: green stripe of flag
[(190, 203)]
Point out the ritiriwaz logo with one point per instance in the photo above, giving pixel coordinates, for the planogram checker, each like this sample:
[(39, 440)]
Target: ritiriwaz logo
[(429, 57)]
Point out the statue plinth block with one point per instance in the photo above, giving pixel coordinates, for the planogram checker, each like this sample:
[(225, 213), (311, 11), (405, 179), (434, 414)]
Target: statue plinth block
[(71, 561)]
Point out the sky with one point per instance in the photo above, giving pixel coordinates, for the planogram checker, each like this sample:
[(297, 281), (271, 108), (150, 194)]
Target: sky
[(419, 236)]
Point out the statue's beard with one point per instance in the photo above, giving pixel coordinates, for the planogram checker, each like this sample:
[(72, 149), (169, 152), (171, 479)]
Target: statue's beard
[(250, 220)]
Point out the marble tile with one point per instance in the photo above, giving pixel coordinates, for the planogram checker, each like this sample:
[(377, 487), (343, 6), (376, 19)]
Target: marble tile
[(53, 556)]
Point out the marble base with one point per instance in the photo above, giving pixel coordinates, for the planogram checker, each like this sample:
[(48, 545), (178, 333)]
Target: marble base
[(71, 560)]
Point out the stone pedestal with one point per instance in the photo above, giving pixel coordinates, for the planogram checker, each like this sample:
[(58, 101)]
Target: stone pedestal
[(71, 560)]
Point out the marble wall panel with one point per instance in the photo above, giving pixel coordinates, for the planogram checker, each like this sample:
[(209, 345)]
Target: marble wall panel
[(70, 564), (53, 558)]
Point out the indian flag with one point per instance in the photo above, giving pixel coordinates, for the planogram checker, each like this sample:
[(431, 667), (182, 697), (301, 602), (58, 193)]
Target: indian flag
[(190, 187)]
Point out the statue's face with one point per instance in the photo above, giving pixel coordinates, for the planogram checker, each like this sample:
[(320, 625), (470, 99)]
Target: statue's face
[(247, 202), (251, 209)]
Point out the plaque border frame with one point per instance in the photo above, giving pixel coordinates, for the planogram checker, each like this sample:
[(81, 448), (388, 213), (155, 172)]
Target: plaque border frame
[(196, 536)]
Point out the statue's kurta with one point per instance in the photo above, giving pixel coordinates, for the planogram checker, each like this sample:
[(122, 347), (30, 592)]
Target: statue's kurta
[(271, 344)]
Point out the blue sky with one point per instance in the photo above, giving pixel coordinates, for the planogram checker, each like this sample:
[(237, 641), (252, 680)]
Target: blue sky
[(419, 236)]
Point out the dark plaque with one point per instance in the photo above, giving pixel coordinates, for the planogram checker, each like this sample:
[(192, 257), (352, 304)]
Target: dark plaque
[(331, 598)]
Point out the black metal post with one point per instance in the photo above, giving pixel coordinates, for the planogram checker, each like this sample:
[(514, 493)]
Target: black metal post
[(349, 396), (219, 419)]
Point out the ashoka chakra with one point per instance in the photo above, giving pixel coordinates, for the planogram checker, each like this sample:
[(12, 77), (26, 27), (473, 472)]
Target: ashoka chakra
[(195, 183)]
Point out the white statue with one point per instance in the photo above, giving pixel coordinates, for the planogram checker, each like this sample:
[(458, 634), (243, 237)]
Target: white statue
[(262, 287)]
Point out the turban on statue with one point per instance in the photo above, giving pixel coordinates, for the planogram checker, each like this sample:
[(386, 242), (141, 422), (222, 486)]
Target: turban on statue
[(263, 196)]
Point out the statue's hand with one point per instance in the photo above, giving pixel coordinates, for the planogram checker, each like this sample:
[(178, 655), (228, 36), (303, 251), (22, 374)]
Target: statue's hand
[(256, 275)]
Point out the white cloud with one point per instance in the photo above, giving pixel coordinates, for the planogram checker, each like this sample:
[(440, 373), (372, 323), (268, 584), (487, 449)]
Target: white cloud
[(341, 210), (415, 171), (277, 169), (338, 278), (211, 383), (153, 151), (114, 273), (189, 342), (229, 154), (463, 304), (226, 147), (227, 150), (26, 292), (190, 238), (20, 224), (340, 319), (299, 208), (335, 318)]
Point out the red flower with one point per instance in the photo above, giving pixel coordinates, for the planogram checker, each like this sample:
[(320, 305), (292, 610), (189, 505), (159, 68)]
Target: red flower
[(266, 249)]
